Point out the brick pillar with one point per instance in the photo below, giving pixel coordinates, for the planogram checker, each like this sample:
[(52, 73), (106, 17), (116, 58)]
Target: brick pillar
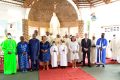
[(25, 29), (38, 30), (69, 30), (81, 28)]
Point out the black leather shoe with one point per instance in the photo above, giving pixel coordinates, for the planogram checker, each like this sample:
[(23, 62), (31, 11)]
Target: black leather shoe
[(103, 65), (89, 66), (98, 65), (83, 65)]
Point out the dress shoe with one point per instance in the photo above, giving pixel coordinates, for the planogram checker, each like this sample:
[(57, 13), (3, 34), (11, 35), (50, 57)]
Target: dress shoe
[(89, 65), (83, 65), (98, 65), (103, 65)]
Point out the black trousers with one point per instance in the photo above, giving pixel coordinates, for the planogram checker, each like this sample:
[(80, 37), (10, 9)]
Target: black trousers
[(34, 64), (88, 56)]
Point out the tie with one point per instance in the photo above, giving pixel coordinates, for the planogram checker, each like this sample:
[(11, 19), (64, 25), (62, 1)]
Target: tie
[(86, 42)]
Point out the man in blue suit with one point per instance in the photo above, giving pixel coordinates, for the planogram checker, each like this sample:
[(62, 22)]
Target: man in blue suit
[(34, 48)]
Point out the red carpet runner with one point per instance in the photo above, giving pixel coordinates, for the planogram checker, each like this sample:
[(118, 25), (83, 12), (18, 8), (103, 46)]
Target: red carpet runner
[(65, 74), (1, 67), (1, 64), (108, 61)]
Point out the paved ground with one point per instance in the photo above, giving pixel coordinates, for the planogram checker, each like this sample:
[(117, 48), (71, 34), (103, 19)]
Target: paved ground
[(110, 72), (20, 76)]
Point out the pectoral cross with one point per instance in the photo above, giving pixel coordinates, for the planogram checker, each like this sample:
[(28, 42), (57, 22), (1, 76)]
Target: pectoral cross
[(64, 49), (54, 50)]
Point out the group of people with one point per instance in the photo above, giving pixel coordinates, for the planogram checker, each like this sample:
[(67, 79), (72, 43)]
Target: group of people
[(57, 52)]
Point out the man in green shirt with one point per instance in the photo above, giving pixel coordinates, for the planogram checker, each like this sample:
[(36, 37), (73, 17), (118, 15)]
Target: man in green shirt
[(9, 49)]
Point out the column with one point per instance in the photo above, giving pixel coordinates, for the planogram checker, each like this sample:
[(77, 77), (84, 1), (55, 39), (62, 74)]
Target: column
[(25, 29), (38, 30), (69, 30), (81, 28)]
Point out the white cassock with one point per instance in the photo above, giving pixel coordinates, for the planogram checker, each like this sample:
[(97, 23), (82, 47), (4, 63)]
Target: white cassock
[(63, 50), (74, 50), (49, 39), (109, 52), (80, 50), (114, 48), (54, 55), (67, 40), (58, 42), (93, 51), (118, 51), (38, 37)]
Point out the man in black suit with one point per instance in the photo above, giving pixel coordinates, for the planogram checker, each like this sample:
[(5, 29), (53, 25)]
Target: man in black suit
[(86, 44)]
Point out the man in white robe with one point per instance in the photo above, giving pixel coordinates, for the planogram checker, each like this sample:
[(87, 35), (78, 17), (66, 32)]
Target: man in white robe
[(58, 42), (67, 40), (118, 50), (51, 38), (48, 37), (114, 48), (93, 50), (63, 50), (108, 50), (78, 39), (54, 55)]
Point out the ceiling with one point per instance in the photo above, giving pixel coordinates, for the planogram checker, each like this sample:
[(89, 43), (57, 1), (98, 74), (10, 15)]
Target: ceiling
[(22, 1), (79, 3), (90, 3)]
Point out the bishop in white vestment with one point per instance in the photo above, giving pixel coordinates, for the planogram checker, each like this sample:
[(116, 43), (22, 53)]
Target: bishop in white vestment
[(93, 51)]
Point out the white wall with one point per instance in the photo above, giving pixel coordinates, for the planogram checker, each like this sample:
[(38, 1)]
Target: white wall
[(11, 14), (106, 15)]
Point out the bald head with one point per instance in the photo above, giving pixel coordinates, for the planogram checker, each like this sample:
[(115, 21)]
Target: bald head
[(22, 38), (102, 35), (47, 33), (36, 32)]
